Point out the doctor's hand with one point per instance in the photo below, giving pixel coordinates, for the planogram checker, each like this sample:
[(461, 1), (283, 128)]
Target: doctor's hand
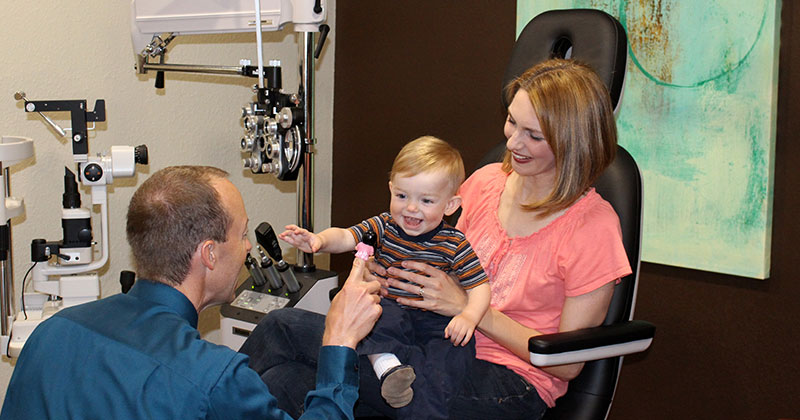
[(354, 310), (375, 272), (301, 239)]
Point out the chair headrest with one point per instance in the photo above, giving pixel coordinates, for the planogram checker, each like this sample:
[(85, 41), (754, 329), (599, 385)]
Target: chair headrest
[(591, 36)]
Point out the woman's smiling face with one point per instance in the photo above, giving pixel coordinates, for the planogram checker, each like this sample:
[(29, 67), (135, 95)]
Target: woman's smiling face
[(531, 155)]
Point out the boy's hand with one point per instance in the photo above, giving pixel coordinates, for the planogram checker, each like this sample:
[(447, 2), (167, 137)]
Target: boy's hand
[(301, 239), (460, 330)]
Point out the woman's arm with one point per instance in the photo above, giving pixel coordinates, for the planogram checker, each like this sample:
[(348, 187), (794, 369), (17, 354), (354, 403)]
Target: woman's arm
[(584, 311)]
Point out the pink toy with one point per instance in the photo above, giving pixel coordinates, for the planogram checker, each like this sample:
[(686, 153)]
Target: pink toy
[(366, 248), (364, 251)]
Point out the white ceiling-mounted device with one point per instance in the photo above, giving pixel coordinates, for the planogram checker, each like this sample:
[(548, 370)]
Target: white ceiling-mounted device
[(279, 132), (184, 17)]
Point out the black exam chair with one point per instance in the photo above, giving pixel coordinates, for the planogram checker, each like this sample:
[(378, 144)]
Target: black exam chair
[(599, 40)]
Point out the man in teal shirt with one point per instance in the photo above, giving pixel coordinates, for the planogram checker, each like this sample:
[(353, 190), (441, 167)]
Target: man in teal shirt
[(140, 355)]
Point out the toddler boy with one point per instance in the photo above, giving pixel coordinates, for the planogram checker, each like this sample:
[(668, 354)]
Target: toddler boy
[(424, 182)]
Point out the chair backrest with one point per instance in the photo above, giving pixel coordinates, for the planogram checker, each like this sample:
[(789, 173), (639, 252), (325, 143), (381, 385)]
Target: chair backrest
[(599, 40), (591, 36), (589, 396)]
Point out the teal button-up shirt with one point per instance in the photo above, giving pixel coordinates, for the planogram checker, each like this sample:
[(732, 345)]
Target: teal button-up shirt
[(140, 356)]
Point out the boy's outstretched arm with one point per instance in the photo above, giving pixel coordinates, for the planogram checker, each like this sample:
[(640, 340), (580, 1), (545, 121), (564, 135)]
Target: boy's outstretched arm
[(331, 240), (462, 326)]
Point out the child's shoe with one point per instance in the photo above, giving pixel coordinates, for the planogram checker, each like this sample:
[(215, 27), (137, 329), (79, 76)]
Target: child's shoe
[(396, 385)]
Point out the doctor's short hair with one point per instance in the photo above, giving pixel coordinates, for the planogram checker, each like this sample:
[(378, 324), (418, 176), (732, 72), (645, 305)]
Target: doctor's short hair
[(428, 154), (170, 214), (574, 111)]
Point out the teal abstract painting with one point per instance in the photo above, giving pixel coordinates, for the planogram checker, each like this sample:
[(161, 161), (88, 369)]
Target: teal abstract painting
[(699, 116)]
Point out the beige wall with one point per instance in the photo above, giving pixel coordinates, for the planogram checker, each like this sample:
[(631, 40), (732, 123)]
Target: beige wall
[(59, 50)]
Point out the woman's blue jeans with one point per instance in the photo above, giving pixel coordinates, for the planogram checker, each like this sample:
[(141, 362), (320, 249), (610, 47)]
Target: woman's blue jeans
[(284, 350)]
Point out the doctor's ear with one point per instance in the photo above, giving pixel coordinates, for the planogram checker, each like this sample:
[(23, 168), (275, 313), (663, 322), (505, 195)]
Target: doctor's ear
[(207, 253)]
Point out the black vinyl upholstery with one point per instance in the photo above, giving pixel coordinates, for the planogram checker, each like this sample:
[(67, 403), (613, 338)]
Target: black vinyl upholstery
[(589, 396), (596, 38)]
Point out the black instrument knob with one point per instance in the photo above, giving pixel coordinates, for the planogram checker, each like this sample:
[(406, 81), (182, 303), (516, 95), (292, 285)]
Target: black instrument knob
[(140, 154)]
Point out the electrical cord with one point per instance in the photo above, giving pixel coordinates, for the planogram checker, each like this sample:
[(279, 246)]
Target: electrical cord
[(23, 289)]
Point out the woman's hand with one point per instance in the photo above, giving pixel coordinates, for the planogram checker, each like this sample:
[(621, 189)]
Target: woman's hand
[(440, 293)]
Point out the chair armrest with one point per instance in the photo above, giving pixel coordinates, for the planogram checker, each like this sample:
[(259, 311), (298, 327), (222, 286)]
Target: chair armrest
[(591, 343)]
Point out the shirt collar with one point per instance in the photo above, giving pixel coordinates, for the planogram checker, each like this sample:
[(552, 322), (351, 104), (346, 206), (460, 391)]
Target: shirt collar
[(165, 295)]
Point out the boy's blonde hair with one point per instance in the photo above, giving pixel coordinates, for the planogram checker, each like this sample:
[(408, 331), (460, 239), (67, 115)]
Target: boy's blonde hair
[(427, 154)]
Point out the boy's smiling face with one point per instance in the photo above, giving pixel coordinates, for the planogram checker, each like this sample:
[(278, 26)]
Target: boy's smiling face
[(420, 201)]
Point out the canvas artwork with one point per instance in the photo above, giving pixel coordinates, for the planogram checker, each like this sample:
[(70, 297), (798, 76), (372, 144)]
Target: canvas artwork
[(699, 116)]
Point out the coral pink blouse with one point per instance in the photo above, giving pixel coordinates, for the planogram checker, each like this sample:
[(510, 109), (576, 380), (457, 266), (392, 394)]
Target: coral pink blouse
[(531, 276)]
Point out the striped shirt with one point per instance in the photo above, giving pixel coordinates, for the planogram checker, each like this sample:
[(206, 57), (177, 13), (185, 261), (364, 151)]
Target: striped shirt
[(445, 248)]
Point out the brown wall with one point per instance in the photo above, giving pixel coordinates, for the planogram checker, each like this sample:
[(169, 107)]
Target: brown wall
[(406, 69), (725, 347)]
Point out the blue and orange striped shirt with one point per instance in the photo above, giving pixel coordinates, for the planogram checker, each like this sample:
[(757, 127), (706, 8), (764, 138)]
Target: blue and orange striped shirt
[(445, 248)]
